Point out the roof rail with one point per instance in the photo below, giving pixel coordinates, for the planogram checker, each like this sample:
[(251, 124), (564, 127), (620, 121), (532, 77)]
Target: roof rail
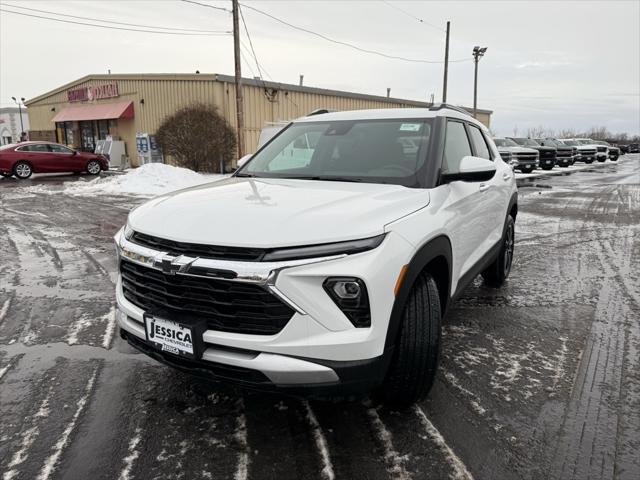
[(319, 111), (440, 106)]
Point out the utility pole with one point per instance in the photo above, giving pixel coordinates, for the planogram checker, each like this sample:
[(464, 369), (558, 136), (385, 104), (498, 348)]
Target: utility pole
[(446, 65), (239, 98), (478, 52)]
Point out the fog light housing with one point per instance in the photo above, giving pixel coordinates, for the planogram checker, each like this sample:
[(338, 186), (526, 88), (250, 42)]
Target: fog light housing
[(351, 297)]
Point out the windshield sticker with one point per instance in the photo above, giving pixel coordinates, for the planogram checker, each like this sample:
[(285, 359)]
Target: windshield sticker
[(410, 127)]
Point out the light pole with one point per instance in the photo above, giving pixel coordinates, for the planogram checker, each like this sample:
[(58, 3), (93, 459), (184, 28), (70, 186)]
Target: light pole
[(477, 53), (20, 113)]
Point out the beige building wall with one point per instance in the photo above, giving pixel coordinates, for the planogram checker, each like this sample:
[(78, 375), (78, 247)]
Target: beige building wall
[(156, 96)]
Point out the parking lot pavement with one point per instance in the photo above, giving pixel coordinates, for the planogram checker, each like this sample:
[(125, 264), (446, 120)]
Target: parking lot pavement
[(540, 379)]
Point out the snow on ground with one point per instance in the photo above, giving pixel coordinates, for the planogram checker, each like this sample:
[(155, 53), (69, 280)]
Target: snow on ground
[(148, 180)]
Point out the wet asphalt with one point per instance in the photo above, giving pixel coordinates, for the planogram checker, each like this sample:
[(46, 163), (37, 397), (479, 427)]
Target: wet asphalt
[(539, 379)]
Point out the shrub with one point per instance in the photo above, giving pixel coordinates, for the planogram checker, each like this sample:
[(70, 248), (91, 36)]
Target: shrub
[(199, 138)]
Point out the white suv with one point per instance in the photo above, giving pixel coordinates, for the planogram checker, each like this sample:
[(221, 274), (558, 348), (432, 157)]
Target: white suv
[(325, 264)]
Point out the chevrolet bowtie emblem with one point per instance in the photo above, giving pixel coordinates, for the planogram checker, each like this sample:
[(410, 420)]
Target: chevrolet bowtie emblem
[(172, 265)]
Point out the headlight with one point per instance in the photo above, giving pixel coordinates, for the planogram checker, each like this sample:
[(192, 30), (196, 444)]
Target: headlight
[(350, 295), (324, 250), (128, 231)]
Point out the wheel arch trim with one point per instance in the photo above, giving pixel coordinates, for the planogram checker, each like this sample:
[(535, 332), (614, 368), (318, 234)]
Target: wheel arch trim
[(435, 248)]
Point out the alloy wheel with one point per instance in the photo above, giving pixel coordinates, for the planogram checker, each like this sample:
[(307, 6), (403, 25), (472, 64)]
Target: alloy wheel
[(23, 170), (93, 168), (508, 249)]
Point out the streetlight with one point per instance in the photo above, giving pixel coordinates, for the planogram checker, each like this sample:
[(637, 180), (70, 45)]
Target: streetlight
[(20, 113), (477, 53)]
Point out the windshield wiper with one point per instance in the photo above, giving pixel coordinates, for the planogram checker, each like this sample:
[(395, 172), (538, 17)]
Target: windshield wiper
[(329, 179), (244, 175)]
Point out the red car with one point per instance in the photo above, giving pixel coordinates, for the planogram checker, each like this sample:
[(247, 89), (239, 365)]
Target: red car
[(23, 159)]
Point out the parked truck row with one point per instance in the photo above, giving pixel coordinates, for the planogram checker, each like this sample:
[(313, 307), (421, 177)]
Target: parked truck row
[(528, 154)]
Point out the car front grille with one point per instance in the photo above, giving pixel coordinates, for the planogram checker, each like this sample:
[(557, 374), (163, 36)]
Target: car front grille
[(226, 306), (602, 149), (565, 153), (589, 151), (525, 156), (198, 250)]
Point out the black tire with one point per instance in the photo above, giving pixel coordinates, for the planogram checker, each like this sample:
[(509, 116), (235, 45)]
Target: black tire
[(547, 168), (93, 167), (22, 170), (526, 169), (415, 357), (498, 271), (588, 162)]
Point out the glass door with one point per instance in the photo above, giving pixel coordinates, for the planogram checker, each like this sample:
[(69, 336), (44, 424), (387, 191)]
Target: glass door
[(87, 137)]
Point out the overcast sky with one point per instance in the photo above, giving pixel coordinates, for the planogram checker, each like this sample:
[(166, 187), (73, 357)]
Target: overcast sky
[(573, 64)]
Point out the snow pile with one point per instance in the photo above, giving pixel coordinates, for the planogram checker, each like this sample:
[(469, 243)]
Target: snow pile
[(148, 180)]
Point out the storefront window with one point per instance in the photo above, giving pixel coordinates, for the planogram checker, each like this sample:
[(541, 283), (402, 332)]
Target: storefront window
[(64, 133), (103, 129), (87, 136)]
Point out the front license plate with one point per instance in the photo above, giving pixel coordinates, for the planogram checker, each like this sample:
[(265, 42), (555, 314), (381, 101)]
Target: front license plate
[(169, 336)]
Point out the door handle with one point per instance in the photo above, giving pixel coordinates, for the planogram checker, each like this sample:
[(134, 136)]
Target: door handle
[(506, 177), (484, 187)]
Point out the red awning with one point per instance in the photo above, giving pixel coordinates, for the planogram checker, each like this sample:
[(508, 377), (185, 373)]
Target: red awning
[(99, 111)]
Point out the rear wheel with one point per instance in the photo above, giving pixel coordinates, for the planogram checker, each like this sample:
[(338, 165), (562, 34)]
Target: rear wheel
[(498, 271), (93, 167), (526, 169), (22, 170), (415, 356)]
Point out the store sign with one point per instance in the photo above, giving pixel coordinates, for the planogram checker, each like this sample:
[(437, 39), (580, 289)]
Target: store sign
[(93, 92)]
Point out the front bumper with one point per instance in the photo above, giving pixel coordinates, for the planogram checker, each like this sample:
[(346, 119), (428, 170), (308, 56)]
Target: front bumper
[(318, 348)]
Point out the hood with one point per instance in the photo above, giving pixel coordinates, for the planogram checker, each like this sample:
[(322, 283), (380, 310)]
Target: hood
[(263, 213)]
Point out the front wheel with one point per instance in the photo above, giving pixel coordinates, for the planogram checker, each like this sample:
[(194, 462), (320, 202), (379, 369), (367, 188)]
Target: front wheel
[(415, 357), (526, 169), (22, 170), (498, 271), (93, 167)]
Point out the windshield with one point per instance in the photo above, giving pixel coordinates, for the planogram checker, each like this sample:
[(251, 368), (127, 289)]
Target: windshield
[(571, 143), (505, 142), (526, 142), (585, 142), (370, 151)]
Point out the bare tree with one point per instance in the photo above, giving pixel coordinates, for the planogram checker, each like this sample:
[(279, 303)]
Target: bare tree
[(540, 132), (198, 137)]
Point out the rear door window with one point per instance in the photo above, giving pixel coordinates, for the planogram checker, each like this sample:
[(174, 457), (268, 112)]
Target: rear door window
[(479, 143)]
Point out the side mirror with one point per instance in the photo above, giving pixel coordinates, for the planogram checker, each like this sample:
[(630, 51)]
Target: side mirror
[(472, 169), (74, 152), (243, 160)]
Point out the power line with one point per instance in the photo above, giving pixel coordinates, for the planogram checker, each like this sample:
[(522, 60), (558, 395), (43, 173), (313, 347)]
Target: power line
[(408, 14), (346, 44), (207, 5), (113, 28), (113, 21), (255, 57)]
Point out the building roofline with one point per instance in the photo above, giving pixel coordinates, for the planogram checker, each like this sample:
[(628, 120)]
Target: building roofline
[(246, 81)]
